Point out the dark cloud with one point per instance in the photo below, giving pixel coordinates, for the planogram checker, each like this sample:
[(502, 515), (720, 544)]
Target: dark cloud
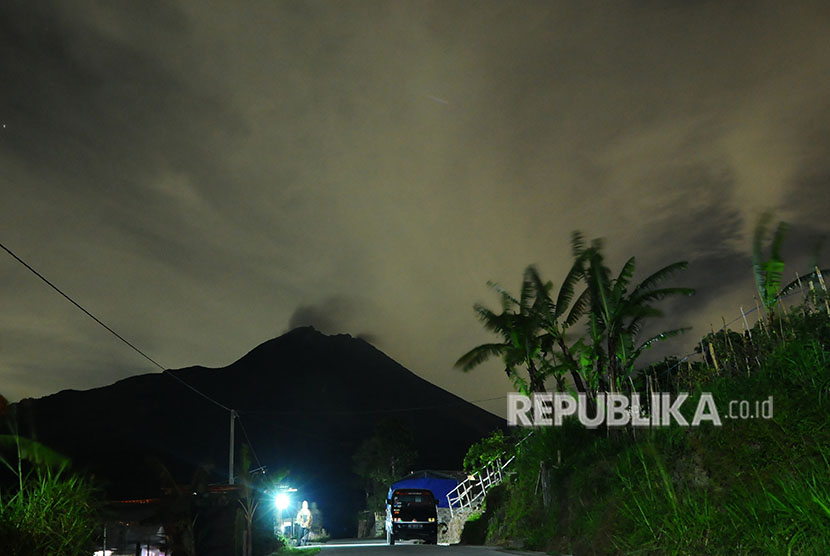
[(99, 112), (199, 177), (330, 316), (338, 314)]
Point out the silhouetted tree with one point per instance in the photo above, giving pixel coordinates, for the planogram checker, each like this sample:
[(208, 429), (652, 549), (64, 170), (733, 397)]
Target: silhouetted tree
[(383, 458)]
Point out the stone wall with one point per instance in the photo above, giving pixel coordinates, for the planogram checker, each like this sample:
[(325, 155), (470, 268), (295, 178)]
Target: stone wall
[(380, 524), (449, 531)]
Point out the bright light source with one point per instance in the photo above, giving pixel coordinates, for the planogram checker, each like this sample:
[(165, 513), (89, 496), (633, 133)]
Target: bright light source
[(282, 501)]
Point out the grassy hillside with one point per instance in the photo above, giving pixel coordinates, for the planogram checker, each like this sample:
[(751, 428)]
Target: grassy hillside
[(751, 486)]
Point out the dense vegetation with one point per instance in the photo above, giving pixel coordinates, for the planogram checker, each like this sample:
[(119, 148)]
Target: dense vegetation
[(382, 459), (47, 508), (751, 486), (44, 508)]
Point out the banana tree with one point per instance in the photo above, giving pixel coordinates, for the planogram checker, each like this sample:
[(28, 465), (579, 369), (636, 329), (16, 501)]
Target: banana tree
[(768, 271), (557, 357), (616, 315), (520, 329)]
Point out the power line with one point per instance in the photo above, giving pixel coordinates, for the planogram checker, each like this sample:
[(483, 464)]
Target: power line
[(375, 411), (73, 302), (250, 445), (110, 330), (205, 396)]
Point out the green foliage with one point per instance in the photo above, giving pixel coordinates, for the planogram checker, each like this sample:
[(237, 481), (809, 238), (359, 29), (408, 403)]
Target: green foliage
[(616, 316), (768, 271), (670, 519), (534, 327), (29, 450), (286, 550), (383, 458), (519, 326), (49, 511), (486, 451)]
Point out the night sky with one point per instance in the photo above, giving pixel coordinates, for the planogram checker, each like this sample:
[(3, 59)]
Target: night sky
[(205, 177)]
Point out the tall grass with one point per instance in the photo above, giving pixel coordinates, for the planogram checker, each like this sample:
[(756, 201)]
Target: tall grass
[(788, 515), (668, 519), (52, 514), (45, 510)]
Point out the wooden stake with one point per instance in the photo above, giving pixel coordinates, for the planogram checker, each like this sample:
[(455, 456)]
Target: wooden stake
[(746, 324), (729, 343), (813, 296), (823, 287), (703, 354), (758, 309), (714, 359)]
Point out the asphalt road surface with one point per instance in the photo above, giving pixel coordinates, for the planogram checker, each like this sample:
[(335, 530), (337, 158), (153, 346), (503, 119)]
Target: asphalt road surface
[(411, 548)]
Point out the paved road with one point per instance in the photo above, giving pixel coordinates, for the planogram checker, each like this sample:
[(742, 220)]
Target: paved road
[(410, 548)]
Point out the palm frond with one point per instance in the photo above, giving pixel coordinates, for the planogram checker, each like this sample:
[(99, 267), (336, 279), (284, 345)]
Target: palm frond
[(577, 243), (32, 451), (479, 355), (507, 299), (662, 293), (806, 279), (758, 237), (547, 343), (499, 323), (526, 295), (655, 278), (636, 325), (773, 271), (622, 281), (578, 308), (661, 337), (642, 311), (600, 285), (542, 303), (566, 290)]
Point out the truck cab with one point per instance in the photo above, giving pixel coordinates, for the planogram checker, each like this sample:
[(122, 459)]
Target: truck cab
[(411, 514)]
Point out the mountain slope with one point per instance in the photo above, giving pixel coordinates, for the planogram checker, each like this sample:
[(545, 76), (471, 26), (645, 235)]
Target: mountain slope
[(306, 401)]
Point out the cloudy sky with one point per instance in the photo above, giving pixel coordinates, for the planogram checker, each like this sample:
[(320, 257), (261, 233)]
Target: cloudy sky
[(204, 177)]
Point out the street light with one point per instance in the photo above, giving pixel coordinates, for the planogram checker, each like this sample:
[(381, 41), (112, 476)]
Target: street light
[(282, 501)]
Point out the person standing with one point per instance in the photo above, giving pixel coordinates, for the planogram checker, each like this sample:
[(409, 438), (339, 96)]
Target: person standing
[(304, 521)]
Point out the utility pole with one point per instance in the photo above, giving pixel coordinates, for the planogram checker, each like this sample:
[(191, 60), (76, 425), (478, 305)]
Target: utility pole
[(230, 449)]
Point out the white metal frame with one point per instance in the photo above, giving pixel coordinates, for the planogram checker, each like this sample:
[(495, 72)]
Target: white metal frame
[(471, 491)]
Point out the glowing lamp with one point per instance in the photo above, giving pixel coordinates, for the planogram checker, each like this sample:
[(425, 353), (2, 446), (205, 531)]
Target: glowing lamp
[(282, 501)]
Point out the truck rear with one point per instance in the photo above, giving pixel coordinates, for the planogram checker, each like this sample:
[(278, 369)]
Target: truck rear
[(411, 514)]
